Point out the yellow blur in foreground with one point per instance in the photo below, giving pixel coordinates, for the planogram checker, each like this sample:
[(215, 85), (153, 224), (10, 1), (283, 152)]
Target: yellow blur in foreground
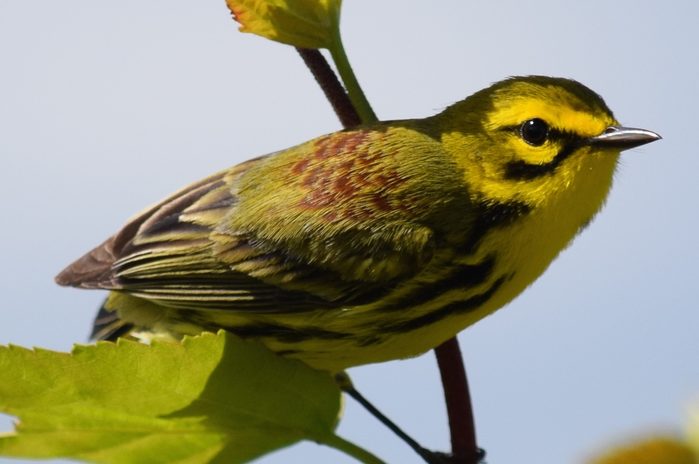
[(372, 243), (656, 450)]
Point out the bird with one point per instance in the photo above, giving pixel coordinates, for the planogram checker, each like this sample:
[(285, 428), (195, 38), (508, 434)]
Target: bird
[(373, 243)]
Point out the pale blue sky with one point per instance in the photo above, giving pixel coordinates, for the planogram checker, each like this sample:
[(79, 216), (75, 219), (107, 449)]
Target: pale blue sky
[(106, 107)]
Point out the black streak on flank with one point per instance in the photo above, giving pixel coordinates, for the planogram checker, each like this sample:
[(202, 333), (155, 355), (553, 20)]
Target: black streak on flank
[(287, 334), (288, 352), (464, 277), (521, 170), (457, 307), (369, 340), (491, 216)]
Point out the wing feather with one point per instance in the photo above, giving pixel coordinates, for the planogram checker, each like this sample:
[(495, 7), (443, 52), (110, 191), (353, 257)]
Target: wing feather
[(235, 241)]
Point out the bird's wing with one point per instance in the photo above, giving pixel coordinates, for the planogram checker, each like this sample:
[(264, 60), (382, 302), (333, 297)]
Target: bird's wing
[(327, 223)]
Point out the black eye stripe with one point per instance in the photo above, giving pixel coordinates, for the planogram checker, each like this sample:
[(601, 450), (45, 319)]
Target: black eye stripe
[(567, 142), (521, 170)]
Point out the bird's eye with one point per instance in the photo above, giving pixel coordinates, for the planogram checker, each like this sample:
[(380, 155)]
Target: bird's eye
[(534, 131)]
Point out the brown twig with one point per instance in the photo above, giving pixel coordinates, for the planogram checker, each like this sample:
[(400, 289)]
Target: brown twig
[(331, 86), (451, 366), (464, 449)]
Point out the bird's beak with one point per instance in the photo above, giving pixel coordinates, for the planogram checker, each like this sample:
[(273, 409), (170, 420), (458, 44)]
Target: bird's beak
[(624, 137)]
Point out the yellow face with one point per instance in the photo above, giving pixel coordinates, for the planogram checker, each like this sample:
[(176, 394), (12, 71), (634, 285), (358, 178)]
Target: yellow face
[(533, 141), (542, 124)]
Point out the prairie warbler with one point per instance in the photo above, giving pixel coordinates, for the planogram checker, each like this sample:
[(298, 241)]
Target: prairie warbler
[(373, 243)]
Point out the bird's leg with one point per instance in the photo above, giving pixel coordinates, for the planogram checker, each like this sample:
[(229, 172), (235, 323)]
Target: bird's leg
[(430, 457)]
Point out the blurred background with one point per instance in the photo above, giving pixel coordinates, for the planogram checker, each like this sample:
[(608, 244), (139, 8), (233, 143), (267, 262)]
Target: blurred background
[(106, 107)]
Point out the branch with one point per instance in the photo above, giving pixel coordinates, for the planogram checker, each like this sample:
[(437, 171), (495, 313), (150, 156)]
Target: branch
[(456, 394), (331, 86)]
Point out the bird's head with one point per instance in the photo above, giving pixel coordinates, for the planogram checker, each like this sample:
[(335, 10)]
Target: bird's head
[(532, 138)]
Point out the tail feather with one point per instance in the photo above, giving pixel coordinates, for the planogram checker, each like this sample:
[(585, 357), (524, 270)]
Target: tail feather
[(93, 270)]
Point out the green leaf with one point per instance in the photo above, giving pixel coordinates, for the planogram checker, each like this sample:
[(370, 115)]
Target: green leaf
[(212, 398)]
